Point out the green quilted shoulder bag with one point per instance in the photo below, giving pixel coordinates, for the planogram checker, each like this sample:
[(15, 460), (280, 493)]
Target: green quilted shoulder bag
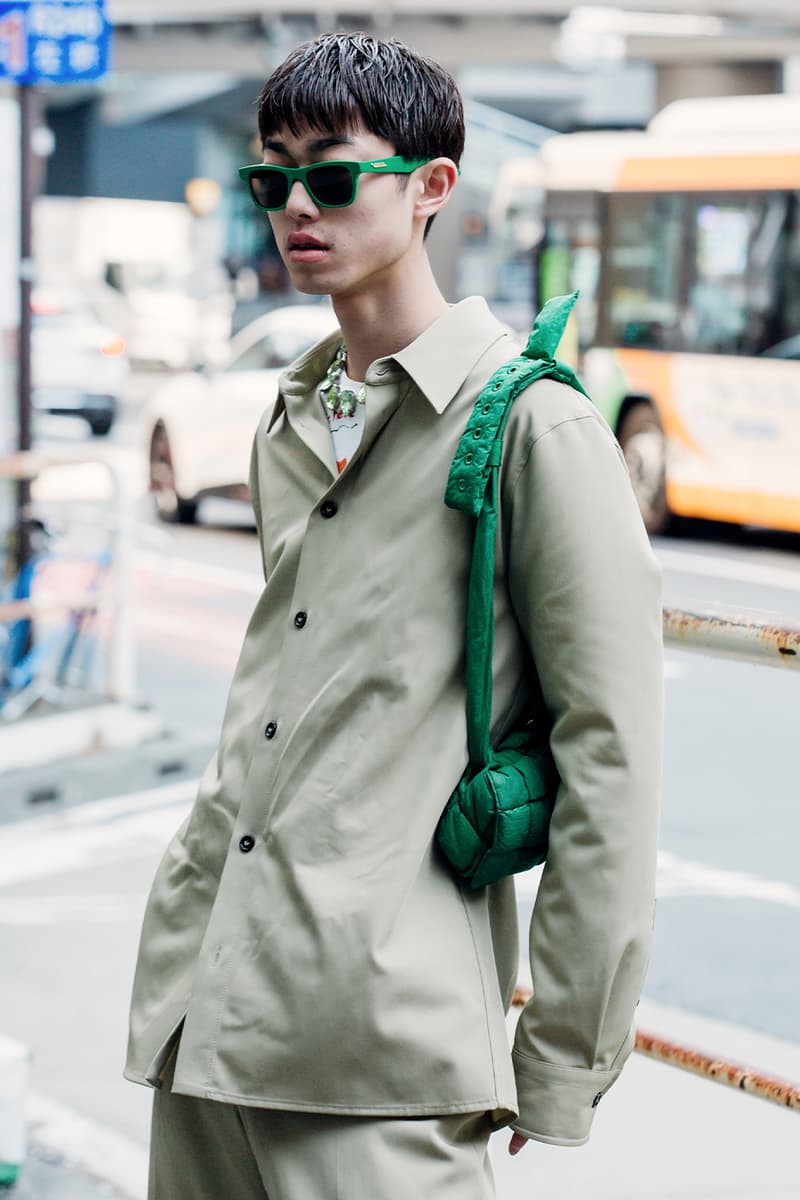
[(496, 821)]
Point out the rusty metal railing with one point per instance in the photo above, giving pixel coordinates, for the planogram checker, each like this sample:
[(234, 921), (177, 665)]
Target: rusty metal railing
[(735, 635), (733, 1075), (748, 637)]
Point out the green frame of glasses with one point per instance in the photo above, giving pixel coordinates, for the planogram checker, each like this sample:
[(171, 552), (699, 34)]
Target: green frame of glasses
[(396, 165)]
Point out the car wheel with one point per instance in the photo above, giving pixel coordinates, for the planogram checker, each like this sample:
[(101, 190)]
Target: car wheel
[(644, 446), (169, 505)]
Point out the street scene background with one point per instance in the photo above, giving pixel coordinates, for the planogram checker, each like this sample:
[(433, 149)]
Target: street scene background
[(161, 320)]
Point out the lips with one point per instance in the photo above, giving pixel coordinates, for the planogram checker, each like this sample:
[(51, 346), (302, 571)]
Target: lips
[(304, 241), (305, 250)]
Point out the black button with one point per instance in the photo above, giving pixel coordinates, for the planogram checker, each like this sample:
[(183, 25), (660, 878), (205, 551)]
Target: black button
[(597, 1099), (329, 509), (246, 843), (300, 619), (271, 730)]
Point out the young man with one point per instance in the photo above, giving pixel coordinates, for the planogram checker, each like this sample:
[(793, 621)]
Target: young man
[(319, 1002)]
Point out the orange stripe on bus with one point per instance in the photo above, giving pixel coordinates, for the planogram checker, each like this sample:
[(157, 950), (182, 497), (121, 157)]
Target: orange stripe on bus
[(709, 172), (742, 508)]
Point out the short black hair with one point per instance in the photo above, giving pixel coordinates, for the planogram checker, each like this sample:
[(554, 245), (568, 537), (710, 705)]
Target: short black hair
[(341, 80)]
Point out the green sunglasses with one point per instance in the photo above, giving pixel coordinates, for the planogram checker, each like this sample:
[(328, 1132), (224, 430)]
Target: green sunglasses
[(332, 184)]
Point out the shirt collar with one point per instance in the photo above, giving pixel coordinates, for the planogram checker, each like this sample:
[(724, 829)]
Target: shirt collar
[(441, 358), (438, 361)]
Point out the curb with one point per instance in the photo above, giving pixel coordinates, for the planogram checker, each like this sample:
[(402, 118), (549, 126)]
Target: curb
[(42, 739)]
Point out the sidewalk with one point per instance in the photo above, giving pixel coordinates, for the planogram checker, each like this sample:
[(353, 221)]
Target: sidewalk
[(661, 1134)]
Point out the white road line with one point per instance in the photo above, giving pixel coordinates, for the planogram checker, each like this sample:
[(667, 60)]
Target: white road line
[(105, 1154), (679, 877), (719, 567), (249, 582)]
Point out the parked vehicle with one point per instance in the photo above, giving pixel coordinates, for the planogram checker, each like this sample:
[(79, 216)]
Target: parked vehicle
[(150, 269), (200, 424), (80, 367)]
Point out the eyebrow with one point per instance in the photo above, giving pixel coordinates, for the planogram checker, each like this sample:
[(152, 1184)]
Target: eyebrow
[(319, 144)]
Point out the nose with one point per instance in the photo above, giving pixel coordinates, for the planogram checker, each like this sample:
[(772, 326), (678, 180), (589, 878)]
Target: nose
[(299, 202)]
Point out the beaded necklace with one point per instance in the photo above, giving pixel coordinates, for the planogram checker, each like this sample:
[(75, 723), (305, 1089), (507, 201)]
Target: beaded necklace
[(334, 397)]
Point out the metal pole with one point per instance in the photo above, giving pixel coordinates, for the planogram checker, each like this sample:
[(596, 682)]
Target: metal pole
[(746, 636), (26, 99), (121, 651), (744, 1079)]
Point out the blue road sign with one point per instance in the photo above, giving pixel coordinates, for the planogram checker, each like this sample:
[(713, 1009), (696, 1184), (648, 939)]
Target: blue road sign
[(53, 41)]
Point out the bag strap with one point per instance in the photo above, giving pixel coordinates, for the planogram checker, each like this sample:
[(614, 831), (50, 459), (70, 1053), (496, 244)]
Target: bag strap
[(472, 487)]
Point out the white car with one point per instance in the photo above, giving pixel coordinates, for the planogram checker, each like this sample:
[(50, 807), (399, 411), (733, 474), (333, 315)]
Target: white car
[(200, 425), (80, 367)]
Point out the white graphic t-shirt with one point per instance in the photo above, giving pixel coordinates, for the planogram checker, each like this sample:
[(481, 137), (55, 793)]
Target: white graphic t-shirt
[(346, 431)]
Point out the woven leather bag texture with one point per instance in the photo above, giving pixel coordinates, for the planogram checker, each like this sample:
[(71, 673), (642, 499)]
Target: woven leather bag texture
[(496, 821)]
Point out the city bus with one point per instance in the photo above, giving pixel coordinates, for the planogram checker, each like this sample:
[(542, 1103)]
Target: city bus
[(684, 240)]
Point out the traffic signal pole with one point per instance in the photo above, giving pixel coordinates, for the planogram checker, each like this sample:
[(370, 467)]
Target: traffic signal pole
[(26, 99)]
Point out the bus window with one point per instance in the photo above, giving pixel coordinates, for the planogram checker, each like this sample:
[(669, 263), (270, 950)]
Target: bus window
[(736, 249), (789, 288), (643, 269)]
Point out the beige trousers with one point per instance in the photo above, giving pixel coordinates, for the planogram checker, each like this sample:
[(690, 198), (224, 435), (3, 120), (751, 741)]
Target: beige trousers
[(208, 1150)]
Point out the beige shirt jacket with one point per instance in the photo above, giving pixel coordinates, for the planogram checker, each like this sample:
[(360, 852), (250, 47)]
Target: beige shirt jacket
[(301, 927)]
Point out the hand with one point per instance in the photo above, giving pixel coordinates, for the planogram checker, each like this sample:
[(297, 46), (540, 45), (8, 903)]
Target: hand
[(516, 1143)]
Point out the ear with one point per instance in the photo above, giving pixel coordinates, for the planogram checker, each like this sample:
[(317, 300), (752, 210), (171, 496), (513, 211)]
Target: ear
[(433, 184)]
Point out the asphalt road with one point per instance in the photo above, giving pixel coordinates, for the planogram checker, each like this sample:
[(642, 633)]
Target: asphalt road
[(72, 889)]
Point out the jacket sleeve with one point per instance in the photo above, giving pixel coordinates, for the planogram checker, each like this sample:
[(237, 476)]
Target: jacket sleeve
[(586, 590)]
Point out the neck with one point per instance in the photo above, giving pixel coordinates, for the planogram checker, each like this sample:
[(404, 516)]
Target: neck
[(386, 317)]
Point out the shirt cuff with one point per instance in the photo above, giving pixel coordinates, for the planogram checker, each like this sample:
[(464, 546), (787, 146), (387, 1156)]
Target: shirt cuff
[(556, 1103)]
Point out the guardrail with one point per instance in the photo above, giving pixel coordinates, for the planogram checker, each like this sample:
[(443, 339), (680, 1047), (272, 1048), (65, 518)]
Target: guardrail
[(748, 638), (733, 1075), (734, 635)]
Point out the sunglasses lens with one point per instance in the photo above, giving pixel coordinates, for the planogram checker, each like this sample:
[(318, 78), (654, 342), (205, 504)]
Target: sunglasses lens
[(331, 185), (270, 188)]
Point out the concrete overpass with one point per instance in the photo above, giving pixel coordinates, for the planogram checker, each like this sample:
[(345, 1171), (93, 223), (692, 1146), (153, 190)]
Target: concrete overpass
[(468, 31), (212, 47)]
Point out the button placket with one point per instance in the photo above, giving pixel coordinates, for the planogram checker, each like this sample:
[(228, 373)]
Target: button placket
[(294, 653)]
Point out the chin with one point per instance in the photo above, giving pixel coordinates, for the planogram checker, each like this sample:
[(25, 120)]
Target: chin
[(310, 287)]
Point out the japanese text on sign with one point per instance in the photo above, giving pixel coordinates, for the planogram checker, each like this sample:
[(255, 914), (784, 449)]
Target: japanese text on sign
[(44, 41)]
